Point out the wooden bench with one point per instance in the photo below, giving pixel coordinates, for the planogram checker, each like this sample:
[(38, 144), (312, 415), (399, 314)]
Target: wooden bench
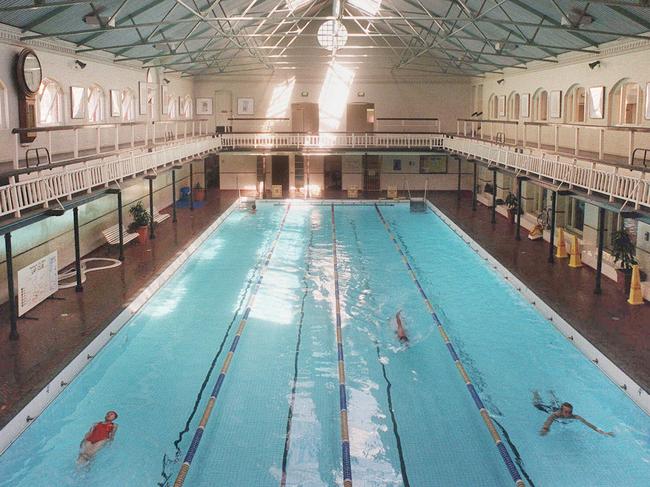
[(159, 217), (112, 234)]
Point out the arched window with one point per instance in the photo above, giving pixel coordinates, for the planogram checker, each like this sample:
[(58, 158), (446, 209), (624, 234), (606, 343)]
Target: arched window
[(96, 104), (626, 100), (540, 105), (4, 107), (50, 103), (128, 105), (575, 104), (514, 102), (186, 109), (172, 106), (493, 107)]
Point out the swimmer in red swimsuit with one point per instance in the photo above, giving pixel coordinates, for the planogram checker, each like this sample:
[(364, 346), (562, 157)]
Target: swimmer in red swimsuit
[(98, 436)]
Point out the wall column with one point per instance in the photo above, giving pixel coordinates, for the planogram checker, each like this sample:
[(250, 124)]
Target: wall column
[(601, 244), (77, 249), (551, 257)]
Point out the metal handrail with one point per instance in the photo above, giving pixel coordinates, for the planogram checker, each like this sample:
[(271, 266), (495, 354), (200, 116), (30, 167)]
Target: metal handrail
[(645, 154)]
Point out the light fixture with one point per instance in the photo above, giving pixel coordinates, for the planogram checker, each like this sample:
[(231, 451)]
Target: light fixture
[(361, 94), (79, 64), (304, 94), (166, 81), (500, 81), (594, 65)]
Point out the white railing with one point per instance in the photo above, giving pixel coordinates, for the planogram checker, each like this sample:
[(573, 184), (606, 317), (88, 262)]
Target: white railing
[(44, 186), (377, 140), (627, 186)]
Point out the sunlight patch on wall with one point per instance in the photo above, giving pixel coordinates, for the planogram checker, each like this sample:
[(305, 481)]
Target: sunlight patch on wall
[(281, 99), (334, 96)]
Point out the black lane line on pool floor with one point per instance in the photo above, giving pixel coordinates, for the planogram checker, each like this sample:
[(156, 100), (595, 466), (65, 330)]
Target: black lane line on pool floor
[(389, 385), (168, 461), (292, 402)]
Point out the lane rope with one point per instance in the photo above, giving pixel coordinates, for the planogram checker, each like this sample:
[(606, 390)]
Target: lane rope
[(503, 452), (343, 414), (198, 434)]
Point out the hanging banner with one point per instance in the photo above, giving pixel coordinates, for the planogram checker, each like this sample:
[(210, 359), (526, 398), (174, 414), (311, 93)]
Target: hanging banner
[(37, 281)]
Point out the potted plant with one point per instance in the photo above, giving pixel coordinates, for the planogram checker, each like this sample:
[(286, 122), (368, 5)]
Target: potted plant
[(141, 219), (199, 192), (511, 205), (623, 253)]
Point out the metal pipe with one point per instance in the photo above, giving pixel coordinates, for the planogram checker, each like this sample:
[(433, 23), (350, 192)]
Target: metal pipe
[(551, 257), (494, 196), (458, 190), (601, 245), (191, 186), (518, 209), (77, 249), (474, 189), (152, 226), (173, 195), (13, 318), (120, 224)]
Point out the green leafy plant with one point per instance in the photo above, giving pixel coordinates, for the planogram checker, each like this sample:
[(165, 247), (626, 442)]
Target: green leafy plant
[(141, 217), (197, 186), (511, 202), (623, 249)]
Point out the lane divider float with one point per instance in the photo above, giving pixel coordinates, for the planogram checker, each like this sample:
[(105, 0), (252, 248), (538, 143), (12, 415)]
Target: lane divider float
[(345, 437), (198, 434), (505, 456)]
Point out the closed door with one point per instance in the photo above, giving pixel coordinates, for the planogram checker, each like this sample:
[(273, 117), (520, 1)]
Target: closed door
[(360, 117), (333, 172), (280, 172), (304, 117), (371, 172)]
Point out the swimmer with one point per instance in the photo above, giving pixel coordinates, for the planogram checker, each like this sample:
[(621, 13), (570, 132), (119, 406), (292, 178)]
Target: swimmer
[(401, 333), (98, 437), (253, 207), (566, 412)]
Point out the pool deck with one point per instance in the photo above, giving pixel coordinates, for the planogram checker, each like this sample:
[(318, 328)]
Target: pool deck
[(65, 327), (619, 330)]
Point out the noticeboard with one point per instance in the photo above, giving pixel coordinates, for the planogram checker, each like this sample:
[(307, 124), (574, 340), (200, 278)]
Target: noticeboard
[(37, 281)]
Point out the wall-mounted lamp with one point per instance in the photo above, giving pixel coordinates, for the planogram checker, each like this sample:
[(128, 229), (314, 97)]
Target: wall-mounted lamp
[(361, 94), (79, 64), (166, 81), (304, 94), (500, 81), (594, 65)]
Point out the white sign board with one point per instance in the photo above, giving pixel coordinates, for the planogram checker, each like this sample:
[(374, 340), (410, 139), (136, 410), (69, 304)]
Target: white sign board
[(36, 282)]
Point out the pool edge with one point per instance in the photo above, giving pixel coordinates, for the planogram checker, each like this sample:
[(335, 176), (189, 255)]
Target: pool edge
[(28, 414), (634, 391)]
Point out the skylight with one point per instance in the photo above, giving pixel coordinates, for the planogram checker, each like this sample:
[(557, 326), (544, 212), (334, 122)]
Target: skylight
[(332, 35), (370, 7)]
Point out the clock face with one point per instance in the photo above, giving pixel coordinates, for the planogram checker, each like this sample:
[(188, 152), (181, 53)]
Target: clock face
[(31, 72)]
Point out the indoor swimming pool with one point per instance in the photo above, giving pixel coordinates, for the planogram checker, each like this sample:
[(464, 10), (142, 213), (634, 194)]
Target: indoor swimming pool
[(266, 286)]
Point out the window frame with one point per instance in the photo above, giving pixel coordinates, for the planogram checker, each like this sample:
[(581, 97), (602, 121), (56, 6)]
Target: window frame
[(58, 101)]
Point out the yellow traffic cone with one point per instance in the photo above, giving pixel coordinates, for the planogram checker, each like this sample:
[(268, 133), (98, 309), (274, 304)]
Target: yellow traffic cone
[(561, 245), (575, 259), (636, 296)]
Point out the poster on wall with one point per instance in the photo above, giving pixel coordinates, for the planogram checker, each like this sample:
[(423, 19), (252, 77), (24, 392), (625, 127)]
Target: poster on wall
[(37, 281), (525, 105), (555, 104), (245, 106), (502, 105), (204, 106), (597, 102)]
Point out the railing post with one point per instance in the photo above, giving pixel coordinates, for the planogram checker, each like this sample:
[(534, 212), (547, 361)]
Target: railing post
[(539, 136), (16, 151), (601, 143), (601, 244), (630, 157), (120, 224), (556, 137), (494, 196)]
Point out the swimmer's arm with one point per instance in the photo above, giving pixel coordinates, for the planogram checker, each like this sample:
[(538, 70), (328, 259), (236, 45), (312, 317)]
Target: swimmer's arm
[(88, 434), (111, 435), (547, 424), (593, 427)]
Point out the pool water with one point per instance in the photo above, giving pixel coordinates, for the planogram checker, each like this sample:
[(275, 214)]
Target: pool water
[(276, 419)]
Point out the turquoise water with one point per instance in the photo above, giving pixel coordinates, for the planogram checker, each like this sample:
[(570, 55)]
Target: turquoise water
[(411, 420)]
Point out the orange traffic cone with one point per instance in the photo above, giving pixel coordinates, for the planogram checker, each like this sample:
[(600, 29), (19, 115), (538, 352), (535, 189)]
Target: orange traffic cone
[(636, 296), (561, 245), (575, 259)]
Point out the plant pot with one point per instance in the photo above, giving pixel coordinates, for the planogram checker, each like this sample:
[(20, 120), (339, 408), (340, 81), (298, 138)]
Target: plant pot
[(624, 279), (143, 234), (511, 215), (199, 194)]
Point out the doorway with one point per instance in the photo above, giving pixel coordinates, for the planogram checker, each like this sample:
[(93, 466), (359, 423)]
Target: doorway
[(280, 173), (211, 169), (333, 172), (371, 172)]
